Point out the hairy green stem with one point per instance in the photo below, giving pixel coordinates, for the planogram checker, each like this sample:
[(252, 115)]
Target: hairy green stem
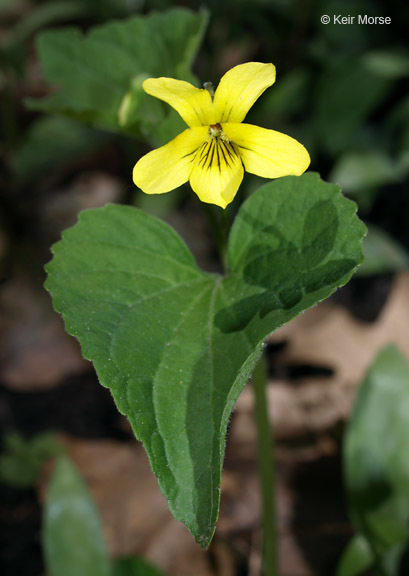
[(266, 465)]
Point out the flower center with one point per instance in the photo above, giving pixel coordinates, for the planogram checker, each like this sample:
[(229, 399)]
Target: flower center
[(215, 130), (217, 151)]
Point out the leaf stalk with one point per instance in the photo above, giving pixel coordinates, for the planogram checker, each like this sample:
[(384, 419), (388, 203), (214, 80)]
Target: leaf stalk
[(266, 466)]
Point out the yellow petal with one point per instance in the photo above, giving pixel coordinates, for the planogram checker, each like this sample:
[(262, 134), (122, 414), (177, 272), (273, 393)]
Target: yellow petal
[(239, 89), (193, 104), (267, 153), (217, 172), (170, 166)]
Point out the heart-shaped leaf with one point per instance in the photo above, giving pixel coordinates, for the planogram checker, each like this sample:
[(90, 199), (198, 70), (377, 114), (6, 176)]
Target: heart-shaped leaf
[(176, 345)]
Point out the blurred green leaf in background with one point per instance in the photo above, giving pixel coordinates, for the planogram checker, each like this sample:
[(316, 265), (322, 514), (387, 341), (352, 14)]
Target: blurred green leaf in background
[(52, 140), (377, 465), (356, 558), (73, 535), (382, 254), (73, 539), (99, 76), (22, 460)]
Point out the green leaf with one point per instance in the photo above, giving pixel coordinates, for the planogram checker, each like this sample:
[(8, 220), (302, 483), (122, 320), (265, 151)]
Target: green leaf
[(176, 345), (285, 101), (387, 63), (73, 539), (382, 254), (134, 566), (22, 460), (347, 94), (99, 75), (358, 171), (52, 141), (356, 558), (376, 468)]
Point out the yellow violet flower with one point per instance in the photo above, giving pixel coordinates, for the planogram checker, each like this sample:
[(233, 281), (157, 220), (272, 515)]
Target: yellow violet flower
[(212, 151)]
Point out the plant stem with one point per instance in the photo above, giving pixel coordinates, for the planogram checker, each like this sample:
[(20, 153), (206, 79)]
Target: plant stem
[(266, 466), (220, 227)]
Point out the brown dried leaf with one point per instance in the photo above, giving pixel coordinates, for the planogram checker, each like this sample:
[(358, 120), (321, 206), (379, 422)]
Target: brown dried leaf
[(88, 190), (36, 352)]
